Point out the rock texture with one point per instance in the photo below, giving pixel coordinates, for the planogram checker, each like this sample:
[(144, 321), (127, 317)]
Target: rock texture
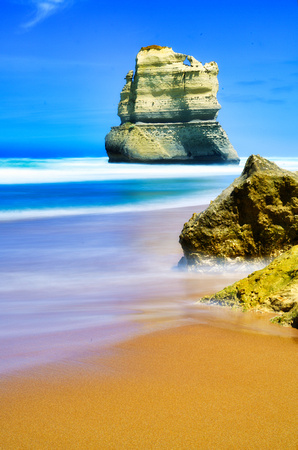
[(165, 89), (202, 142), (167, 110), (256, 216), (274, 288)]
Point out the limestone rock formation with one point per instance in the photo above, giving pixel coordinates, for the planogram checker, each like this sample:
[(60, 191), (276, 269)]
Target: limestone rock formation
[(274, 288), (256, 216), (165, 89), (167, 110)]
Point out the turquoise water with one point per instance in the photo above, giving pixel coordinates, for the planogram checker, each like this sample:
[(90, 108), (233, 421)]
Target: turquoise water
[(45, 188), (66, 186)]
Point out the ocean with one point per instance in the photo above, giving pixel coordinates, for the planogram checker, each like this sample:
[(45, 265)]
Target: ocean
[(59, 187), (89, 254)]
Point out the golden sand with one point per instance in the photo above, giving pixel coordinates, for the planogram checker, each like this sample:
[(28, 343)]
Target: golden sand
[(193, 387)]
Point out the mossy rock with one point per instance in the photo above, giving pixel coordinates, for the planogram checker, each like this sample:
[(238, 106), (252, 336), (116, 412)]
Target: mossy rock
[(288, 319), (274, 288)]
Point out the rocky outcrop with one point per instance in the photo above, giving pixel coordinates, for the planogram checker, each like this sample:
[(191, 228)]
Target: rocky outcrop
[(272, 289), (256, 216), (167, 110)]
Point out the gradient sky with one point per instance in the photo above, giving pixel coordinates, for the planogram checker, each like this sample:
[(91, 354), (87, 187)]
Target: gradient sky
[(63, 64)]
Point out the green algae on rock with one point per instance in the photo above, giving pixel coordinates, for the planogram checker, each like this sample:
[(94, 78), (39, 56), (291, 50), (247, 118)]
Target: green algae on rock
[(255, 217), (274, 288)]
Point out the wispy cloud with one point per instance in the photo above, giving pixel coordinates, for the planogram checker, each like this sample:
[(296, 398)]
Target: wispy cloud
[(238, 98), (18, 65), (282, 89), (43, 9), (292, 62), (251, 83)]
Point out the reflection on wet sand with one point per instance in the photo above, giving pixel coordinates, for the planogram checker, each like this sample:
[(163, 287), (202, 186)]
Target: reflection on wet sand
[(70, 285)]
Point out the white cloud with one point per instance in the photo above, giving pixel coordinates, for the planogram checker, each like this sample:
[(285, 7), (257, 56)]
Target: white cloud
[(43, 9)]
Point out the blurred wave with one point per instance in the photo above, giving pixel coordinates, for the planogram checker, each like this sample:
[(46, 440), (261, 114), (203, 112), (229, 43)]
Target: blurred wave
[(36, 188), (27, 171)]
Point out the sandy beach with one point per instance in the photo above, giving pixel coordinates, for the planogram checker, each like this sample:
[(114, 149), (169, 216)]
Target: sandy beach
[(163, 373), (188, 387)]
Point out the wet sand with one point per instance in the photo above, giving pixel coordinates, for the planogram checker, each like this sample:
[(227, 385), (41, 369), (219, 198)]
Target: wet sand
[(72, 284), (194, 386)]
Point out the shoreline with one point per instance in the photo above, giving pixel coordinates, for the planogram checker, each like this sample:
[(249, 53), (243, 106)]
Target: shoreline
[(94, 266), (112, 292), (187, 377)]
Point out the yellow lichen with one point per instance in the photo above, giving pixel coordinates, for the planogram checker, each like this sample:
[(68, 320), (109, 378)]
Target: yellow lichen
[(152, 47)]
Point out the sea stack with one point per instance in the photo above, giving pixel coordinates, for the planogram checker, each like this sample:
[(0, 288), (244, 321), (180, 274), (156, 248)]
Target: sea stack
[(168, 108)]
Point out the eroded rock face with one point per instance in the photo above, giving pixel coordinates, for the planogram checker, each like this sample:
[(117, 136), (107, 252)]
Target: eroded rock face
[(274, 288), (169, 87), (190, 143), (167, 110), (256, 216)]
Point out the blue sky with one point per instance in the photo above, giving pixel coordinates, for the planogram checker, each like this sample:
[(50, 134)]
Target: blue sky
[(63, 63)]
